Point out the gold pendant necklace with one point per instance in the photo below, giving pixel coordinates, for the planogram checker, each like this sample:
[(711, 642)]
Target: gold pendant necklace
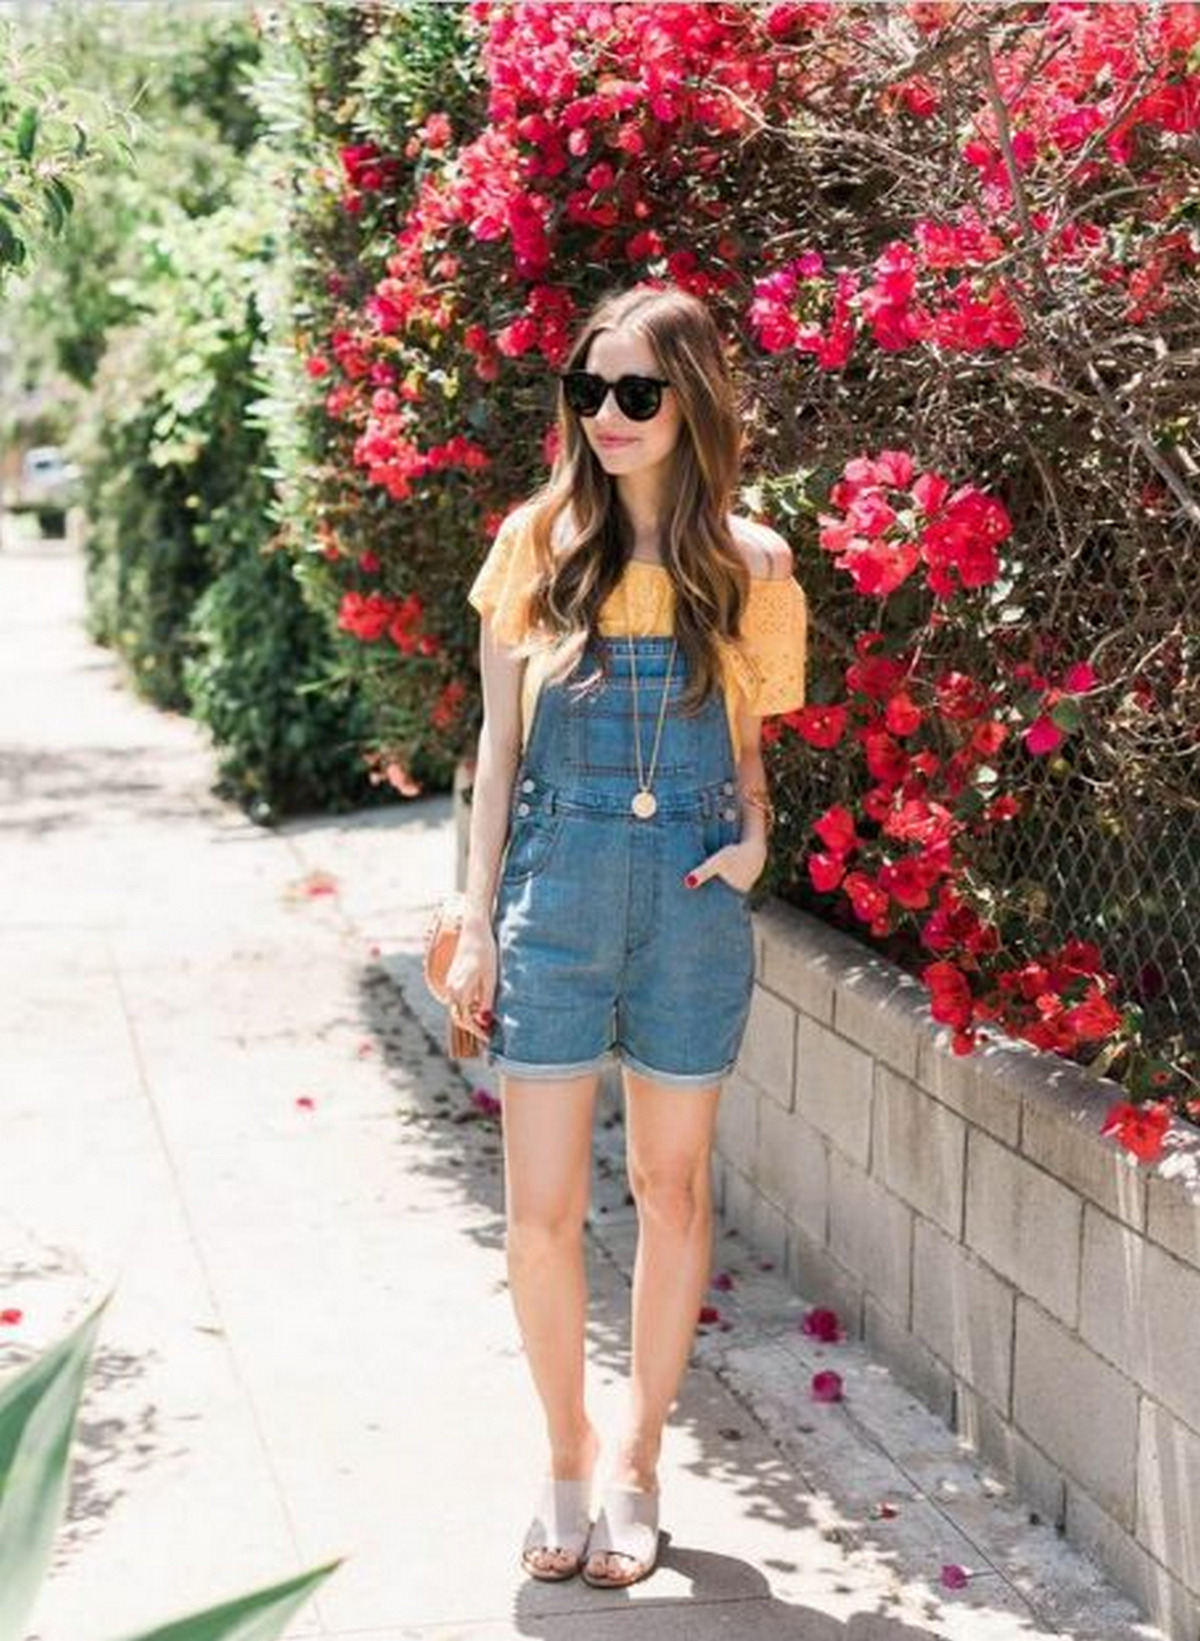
[(644, 803)]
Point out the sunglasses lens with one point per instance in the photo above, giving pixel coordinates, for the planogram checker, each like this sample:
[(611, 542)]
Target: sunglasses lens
[(638, 397), (583, 391)]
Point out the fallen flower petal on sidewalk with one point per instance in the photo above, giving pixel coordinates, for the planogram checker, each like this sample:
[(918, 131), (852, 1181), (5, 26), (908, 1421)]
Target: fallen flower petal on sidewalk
[(826, 1386), (306, 1102), (824, 1325), (723, 1282), (708, 1313), (955, 1577), (11, 1316), (310, 885), (485, 1102)]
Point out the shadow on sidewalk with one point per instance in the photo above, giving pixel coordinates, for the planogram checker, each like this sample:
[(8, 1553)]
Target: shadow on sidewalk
[(736, 1601)]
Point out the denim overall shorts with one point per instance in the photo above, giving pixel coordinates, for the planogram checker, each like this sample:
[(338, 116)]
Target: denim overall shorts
[(601, 948)]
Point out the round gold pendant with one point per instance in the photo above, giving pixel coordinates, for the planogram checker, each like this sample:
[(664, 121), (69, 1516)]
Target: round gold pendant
[(644, 804)]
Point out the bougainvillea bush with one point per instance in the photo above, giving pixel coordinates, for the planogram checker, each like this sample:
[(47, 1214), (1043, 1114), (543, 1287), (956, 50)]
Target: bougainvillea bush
[(954, 249)]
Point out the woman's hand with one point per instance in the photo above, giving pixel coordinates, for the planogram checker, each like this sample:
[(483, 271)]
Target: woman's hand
[(740, 864), (471, 977)]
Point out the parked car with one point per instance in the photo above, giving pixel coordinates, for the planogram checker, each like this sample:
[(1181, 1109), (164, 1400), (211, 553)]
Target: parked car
[(47, 485)]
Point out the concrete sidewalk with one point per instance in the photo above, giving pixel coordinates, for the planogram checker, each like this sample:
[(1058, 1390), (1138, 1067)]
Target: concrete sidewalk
[(225, 1093)]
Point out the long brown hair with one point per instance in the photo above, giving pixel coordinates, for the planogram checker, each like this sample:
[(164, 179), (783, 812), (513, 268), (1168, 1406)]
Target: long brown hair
[(578, 505)]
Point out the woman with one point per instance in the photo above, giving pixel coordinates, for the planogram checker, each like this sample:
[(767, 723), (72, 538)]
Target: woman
[(634, 634)]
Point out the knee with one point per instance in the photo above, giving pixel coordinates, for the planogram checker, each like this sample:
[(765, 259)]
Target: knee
[(542, 1231), (677, 1202)]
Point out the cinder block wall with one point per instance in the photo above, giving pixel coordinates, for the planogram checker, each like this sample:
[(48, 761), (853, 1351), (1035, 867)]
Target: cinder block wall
[(964, 1215)]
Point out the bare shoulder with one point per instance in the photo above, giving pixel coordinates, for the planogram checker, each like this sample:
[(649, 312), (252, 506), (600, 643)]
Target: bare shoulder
[(766, 552)]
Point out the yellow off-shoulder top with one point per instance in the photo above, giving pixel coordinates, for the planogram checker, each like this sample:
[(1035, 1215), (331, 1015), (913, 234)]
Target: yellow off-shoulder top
[(765, 669)]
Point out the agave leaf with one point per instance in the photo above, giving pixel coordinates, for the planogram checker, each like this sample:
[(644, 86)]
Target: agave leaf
[(38, 1406), (259, 1616)]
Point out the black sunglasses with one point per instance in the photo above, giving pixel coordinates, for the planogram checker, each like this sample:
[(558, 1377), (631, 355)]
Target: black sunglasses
[(638, 397)]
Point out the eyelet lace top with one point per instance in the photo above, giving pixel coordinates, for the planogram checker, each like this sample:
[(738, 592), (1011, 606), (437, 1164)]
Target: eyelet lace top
[(764, 670)]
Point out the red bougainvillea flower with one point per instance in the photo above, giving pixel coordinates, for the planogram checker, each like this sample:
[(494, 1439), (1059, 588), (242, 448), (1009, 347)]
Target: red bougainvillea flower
[(908, 882), (836, 830), (902, 715), (708, 1315), (950, 994), (1094, 1018), (821, 726), (869, 901), (826, 1386), (1139, 1128), (823, 1324), (306, 1102), (11, 1316), (365, 615), (826, 871)]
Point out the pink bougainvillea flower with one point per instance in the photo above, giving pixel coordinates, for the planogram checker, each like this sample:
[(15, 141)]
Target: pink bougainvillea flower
[(1043, 735), (306, 1102), (485, 1102), (723, 1282), (320, 883), (1079, 679), (955, 1577), (365, 1047), (1139, 1128), (11, 1316), (823, 1324), (826, 1386)]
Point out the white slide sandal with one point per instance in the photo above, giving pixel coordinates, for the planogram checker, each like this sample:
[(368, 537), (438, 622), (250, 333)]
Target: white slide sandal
[(562, 1522), (627, 1525)]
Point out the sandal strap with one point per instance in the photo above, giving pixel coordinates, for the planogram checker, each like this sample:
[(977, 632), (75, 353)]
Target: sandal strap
[(627, 1525), (563, 1517)]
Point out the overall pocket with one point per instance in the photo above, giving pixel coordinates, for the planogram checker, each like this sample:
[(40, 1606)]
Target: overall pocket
[(530, 840), (714, 832)]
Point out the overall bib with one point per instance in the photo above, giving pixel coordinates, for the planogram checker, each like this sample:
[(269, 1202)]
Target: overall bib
[(601, 947)]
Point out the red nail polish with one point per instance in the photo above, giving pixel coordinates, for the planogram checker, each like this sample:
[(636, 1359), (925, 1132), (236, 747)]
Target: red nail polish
[(690, 880)]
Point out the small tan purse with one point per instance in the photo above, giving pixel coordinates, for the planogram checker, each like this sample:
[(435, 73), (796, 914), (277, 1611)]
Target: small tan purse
[(463, 1042)]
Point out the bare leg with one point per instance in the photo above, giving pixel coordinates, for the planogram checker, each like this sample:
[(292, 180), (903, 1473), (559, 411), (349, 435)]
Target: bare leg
[(669, 1134), (547, 1159)]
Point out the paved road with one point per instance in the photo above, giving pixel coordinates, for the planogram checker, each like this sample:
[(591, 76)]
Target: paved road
[(220, 1092)]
